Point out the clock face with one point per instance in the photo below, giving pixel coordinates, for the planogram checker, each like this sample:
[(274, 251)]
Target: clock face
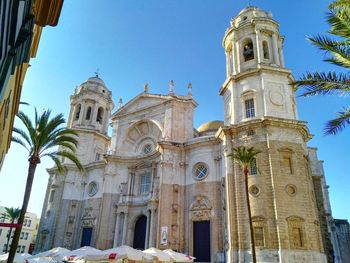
[(200, 171), (92, 188)]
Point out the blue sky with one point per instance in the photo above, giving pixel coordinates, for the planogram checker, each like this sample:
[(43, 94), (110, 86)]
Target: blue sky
[(136, 41)]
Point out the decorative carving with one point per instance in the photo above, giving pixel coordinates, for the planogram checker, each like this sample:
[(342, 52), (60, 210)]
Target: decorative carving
[(174, 227), (122, 188), (201, 215), (88, 219), (175, 188), (189, 87), (276, 97), (201, 208), (171, 87), (71, 219), (175, 208), (145, 88)]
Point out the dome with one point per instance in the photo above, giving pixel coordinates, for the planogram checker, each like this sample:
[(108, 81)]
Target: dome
[(97, 80), (94, 84), (210, 126), (249, 13)]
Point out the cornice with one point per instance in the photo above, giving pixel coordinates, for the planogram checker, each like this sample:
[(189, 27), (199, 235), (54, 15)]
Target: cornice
[(166, 99), (132, 158), (250, 23), (265, 122), (252, 72), (106, 137)]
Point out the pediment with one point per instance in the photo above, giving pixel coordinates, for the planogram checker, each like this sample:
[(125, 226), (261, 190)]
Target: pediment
[(141, 102)]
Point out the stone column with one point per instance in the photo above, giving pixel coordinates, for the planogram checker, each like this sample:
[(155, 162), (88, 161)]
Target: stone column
[(147, 229), (72, 113), (94, 110), (82, 113), (153, 182), (258, 46), (236, 57), (150, 239), (228, 68), (230, 200), (281, 54), (125, 228), (275, 49), (131, 181), (116, 229)]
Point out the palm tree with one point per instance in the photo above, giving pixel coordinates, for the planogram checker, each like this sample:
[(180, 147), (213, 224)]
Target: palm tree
[(337, 53), (12, 214), (44, 138), (245, 156)]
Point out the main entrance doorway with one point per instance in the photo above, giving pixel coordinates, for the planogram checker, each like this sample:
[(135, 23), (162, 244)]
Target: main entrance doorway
[(140, 233), (86, 238), (201, 241)]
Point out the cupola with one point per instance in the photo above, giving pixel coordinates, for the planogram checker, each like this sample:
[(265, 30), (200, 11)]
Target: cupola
[(91, 106)]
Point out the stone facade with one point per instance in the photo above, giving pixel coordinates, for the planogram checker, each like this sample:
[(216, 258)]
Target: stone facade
[(158, 182), (342, 240)]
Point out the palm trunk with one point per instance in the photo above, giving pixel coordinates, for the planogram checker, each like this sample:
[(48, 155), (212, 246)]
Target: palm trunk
[(8, 238), (252, 241), (33, 162)]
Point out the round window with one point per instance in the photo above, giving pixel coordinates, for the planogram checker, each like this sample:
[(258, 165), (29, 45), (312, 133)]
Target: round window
[(200, 171), (92, 188), (254, 190), (291, 189), (147, 148)]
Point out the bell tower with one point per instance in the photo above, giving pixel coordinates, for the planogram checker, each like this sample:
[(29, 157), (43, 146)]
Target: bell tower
[(257, 83), (91, 106), (260, 112)]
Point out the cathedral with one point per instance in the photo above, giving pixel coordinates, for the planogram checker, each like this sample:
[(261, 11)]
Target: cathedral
[(160, 182)]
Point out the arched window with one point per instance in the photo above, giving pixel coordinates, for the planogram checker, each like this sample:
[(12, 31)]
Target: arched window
[(266, 50), (248, 50), (99, 117), (230, 60), (88, 114), (77, 112)]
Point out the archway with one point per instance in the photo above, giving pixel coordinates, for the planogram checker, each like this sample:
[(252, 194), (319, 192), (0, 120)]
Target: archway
[(140, 232)]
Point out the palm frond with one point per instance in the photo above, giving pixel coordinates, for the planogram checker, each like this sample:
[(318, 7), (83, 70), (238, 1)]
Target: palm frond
[(61, 169), (244, 156), (339, 4), (339, 21), (338, 124), (324, 83), (19, 141), (28, 124), (47, 134), (61, 141), (72, 157), (12, 213), (23, 134), (338, 51)]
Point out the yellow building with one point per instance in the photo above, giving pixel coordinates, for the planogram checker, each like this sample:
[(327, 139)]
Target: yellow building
[(24, 21)]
